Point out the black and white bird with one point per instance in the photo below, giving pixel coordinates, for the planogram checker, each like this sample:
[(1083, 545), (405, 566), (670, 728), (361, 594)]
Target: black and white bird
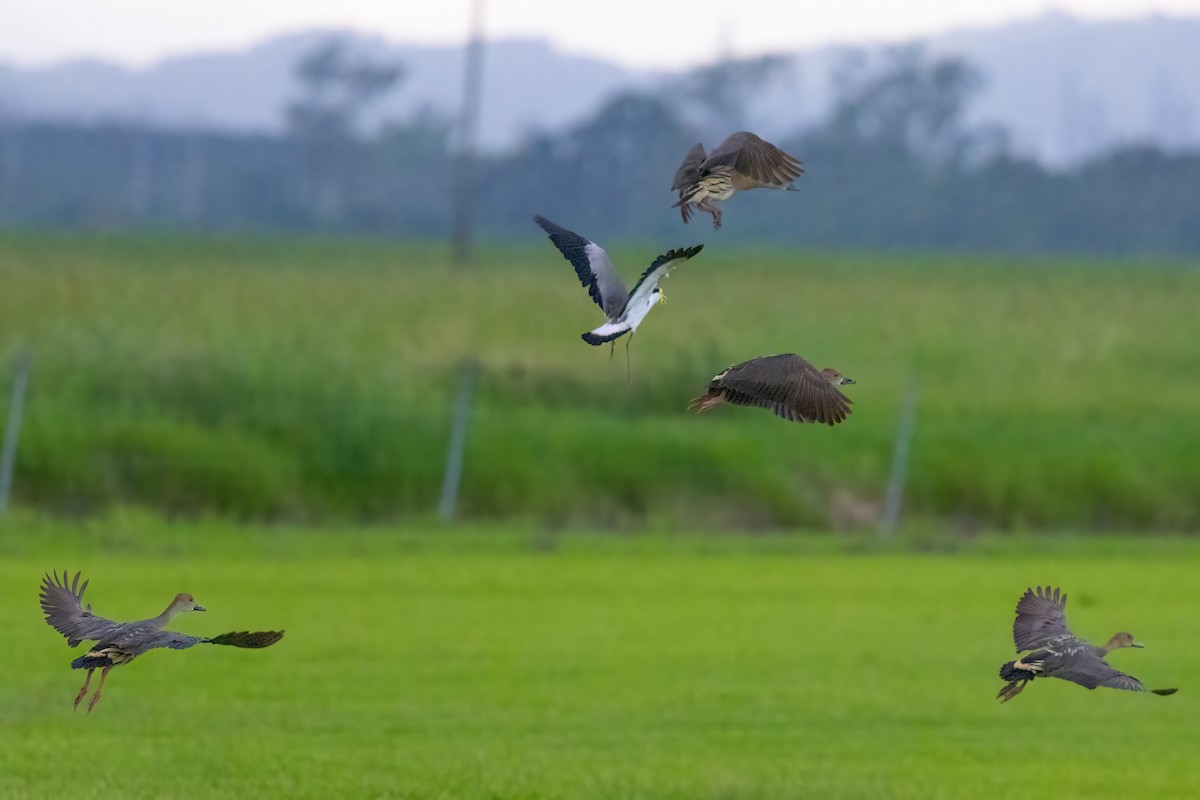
[(624, 310), (786, 384), (743, 161), (1041, 627)]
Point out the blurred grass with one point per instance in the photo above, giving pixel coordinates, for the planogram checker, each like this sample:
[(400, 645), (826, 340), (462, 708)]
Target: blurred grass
[(312, 380), (421, 665)]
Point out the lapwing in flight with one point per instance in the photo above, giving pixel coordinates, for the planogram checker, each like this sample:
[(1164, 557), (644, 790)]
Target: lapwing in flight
[(624, 310)]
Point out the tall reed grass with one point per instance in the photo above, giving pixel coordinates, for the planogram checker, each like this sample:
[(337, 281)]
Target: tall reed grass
[(313, 379)]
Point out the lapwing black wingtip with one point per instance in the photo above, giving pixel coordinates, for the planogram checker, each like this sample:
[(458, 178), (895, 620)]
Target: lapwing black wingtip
[(1164, 692), (684, 252)]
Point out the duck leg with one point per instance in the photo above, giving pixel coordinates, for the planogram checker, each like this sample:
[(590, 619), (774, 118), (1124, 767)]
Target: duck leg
[(83, 691), (99, 689), (1010, 691)]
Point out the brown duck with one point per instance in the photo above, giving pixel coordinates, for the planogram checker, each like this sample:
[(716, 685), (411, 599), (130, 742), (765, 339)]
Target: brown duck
[(119, 643), (743, 161), (1041, 627), (786, 384)]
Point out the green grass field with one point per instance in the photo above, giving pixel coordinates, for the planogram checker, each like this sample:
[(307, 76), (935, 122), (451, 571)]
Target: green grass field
[(498, 664), (236, 387), (311, 381)]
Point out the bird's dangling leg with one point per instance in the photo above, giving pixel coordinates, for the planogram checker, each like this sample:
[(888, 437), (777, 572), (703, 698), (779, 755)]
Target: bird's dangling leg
[(1010, 691), (628, 362), (83, 691), (612, 348), (96, 697)]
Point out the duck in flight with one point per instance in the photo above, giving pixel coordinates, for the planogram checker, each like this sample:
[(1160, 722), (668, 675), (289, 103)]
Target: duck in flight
[(119, 643), (786, 384), (1055, 652)]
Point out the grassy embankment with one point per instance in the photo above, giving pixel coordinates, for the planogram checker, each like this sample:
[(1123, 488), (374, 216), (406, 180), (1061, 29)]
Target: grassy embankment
[(313, 380)]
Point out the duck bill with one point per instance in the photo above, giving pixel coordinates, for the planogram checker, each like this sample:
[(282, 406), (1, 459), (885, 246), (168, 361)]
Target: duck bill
[(200, 608)]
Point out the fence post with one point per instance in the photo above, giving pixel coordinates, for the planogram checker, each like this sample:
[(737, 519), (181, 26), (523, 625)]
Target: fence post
[(458, 440), (12, 430), (899, 472)]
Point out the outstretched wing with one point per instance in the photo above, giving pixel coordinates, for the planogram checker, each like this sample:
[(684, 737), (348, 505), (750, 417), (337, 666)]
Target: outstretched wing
[(759, 161), (1041, 617), (591, 264), (150, 640), (62, 603), (689, 171), (180, 641), (786, 384), (660, 269), (1088, 669), (254, 640)]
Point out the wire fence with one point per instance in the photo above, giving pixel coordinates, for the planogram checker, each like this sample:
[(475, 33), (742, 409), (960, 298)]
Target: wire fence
[(304, 452)]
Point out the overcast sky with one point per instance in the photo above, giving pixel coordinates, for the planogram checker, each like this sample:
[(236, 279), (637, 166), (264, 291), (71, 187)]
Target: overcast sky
[(657, 33)]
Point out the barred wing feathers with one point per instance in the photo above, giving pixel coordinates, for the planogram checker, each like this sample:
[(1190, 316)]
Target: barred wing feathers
[(62, 603), (1041, 618), (761, 162)]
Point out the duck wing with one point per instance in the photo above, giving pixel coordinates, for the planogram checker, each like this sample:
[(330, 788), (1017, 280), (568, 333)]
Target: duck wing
[(786, 384), (1041, 618), (62, 603), (1089, 670)]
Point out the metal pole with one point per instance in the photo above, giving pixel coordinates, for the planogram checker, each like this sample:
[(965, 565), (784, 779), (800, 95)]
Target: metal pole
[(458, 441), (899, 473), (10, 162), (12, 431), (468, 128), (141, 178)]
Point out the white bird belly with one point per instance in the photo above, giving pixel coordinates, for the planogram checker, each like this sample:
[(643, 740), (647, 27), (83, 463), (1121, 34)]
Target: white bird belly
[(638, 310)]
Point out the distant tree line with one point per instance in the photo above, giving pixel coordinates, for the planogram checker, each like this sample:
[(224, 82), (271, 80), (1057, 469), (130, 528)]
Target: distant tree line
[(893, 167)]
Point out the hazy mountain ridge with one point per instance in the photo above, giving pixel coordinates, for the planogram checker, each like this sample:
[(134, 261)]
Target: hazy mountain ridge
[(247, 90), (1066, 89)]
